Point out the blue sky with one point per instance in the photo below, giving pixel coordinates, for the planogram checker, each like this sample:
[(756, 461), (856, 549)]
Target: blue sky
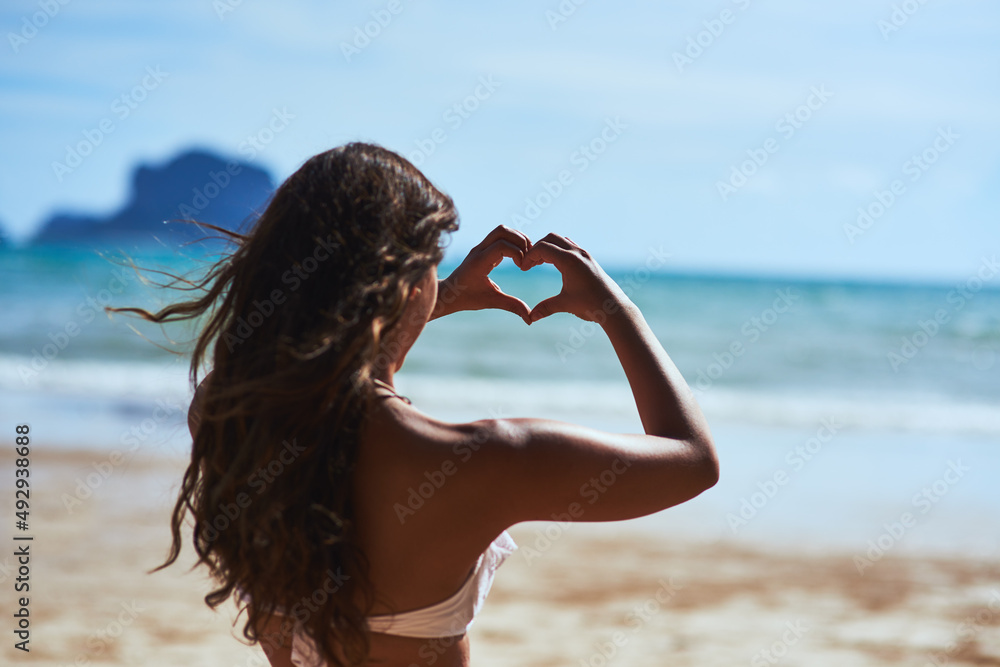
[(830, 104)]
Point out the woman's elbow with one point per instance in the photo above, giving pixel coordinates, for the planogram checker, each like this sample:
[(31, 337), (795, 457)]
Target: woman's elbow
[(708, 464), (712, 472)]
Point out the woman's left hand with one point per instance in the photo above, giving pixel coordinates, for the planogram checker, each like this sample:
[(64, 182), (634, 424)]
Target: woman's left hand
[(469, 286)]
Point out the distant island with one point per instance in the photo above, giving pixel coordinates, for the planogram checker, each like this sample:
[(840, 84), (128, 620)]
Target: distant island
[(196, 185)]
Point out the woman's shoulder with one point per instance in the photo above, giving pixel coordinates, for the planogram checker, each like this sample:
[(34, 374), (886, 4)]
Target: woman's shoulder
[(404, 429)]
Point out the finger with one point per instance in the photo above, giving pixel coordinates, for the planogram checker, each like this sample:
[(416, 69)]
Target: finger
[(546, 307), (503, 301), (557, 240), (513, 236), (545, 252), (496, 251)]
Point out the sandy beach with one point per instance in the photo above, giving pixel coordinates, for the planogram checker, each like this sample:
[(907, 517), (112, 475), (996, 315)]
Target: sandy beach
[(584, 595)]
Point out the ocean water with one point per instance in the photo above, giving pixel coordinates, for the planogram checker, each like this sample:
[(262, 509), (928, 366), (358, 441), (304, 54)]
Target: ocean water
[(909, 374)]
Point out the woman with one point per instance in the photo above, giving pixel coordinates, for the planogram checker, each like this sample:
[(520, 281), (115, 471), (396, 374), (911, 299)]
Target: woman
[(303, 453)]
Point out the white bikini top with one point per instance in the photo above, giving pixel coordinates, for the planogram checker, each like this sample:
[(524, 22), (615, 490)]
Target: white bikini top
[(448, 618), (453, 616)]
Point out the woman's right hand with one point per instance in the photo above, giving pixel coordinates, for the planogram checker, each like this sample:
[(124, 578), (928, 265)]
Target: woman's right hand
[(587, 290), (469, 286)]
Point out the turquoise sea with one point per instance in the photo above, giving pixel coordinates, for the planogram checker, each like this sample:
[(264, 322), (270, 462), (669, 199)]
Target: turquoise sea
[(836, 406)]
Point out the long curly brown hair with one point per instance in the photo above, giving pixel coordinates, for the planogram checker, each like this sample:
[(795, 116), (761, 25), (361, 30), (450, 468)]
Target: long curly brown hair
[(294, 316)]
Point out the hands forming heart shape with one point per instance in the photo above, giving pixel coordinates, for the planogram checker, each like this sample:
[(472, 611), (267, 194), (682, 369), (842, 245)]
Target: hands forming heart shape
[(585, 289)]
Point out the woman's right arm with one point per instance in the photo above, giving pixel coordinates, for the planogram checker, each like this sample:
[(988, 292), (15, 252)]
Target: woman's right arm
[(549, 468), (194, 411)]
